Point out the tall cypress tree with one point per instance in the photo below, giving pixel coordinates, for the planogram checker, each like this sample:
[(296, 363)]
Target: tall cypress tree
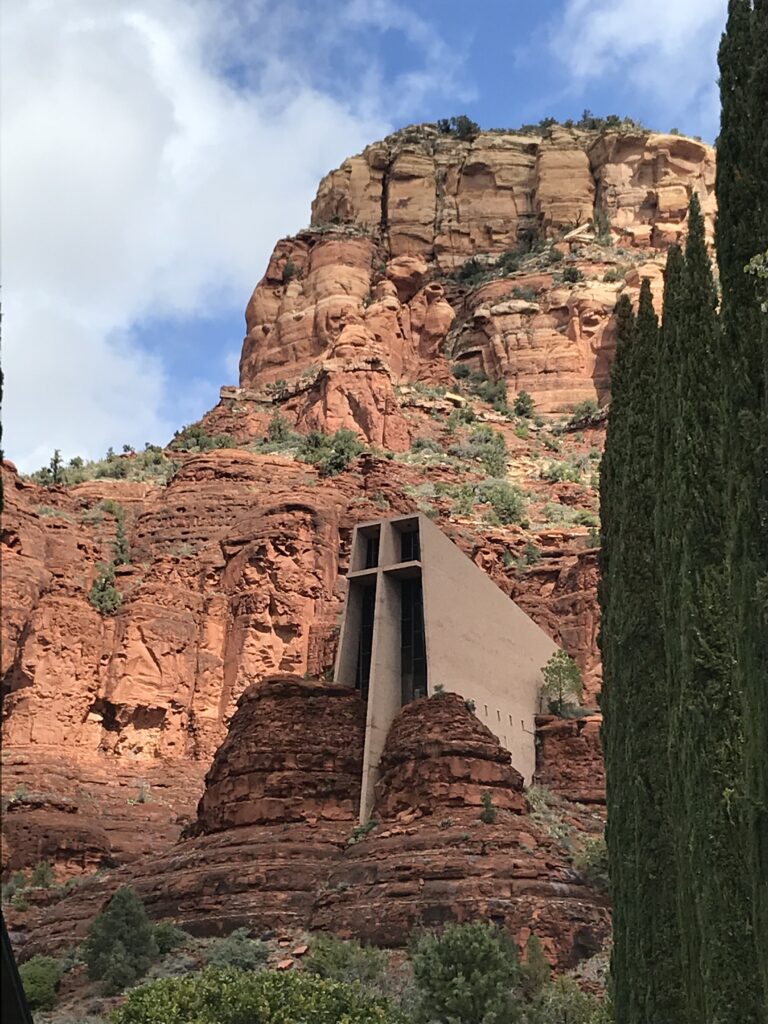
[(742, 232), (645, 958)]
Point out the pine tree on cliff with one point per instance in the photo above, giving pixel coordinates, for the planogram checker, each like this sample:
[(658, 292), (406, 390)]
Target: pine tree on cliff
[(742, 233), (645, 968)]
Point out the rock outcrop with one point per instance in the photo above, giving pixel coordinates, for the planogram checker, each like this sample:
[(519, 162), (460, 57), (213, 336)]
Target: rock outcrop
[(270, 863)]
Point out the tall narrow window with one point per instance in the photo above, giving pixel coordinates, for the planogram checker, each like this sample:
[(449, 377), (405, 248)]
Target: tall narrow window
[(366, 641), (371, 552), (413, 652), (410, 549)]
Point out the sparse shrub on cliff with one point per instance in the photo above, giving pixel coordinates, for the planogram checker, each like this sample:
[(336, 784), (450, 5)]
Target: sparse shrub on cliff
[(361, 831), (195, 438), (278, 428), (460, 126), (17, 883), (40, 977), (104, 595), (426, 444), (505, 499), (330, 453), (290, 270), (458, 417), (591, 862), (562, 685), (487, 446), (347, 961), (563, 1002), (229, 996), (557, 472), (238, 950), (535, 971), (42, 875), (524, 405), (473, 271), (584, 411), (460, 371), (572, 275), (489, 813), (527, 294), (121, 944), (467, 975)]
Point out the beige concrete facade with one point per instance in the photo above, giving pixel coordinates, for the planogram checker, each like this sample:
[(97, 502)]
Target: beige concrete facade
[(476, 641)]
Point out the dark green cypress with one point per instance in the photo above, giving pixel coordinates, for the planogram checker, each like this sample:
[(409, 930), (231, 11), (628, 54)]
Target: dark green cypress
[(742, 232), (645, 966)]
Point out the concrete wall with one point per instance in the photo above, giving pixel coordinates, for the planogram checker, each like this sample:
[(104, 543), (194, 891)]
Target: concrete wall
[(478, 642), (481, 645)]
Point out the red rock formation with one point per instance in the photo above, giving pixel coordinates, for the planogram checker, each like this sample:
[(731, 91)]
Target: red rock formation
[(569, 758), (305, 866), (293, 752), (438, 754)]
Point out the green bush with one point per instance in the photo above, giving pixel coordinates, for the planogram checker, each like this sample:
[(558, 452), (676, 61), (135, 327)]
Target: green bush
[(347, 961), (524, 405), (572, 275), (278, 428), (528, 294), (522, 431), (330, 453), (562, 682), (584, 411), (168, 937), (486, 445), (460, 126), (585, 518), (563, 1002), (195, 438), (121, 944), (425, 444), (466, 975), (42, 875), (238, 950), (557, 472), (40, 977), (505, 499), (229, 996), (591, 862), (104, 595), (457, 417), (460, 371), (489, 813), (535, 970)]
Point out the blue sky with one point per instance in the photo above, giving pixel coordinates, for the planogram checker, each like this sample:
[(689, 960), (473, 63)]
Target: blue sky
[(155, 150)]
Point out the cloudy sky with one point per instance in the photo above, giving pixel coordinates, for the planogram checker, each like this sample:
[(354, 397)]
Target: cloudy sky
[(153, 151)]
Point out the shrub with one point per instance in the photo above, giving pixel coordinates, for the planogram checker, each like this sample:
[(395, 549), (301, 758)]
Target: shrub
[(488, 446), (290, 270), (460, 126), (228, 996), (15, 885), (535, 970), (470, 705), (195, 438), (456, 417), (238, 950), (347, 961), (562, 682), (121, 944), (494, 393), (40, 977), (466, 975), (522, 431), (505, 499), (168, 937), (460, 371), (278, 428), (591, 862), (528, 294), (42, 875), (583, 411), (554, 256), (104, 595), (563, 1001), (425, 444), (330, 453), (509, 261), (556, 472), (613, 275), (585, 518), (524, 405), (572, 275), (359, 832), (489, 813)]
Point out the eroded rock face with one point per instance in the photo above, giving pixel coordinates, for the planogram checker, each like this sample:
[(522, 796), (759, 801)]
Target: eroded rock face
[(293, 752), (438, 753), (270, 860), (569, 758)]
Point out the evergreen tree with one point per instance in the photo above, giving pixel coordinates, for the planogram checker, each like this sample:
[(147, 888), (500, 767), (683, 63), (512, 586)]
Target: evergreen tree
[(645, 960), (121, 945), (742, 231)]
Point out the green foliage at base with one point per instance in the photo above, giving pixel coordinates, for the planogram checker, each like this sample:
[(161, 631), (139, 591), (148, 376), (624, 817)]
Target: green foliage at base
[(40, 977), (196, 438), (347, 961), (467, 975), (237, 950), (487, 446), (524, 405), (562, 682), (168, 937), (591, 862), (121, 944), (42, 875), (228, 996)]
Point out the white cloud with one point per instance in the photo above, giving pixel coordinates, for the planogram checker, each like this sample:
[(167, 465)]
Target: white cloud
[(666, 48), (140, 181)]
